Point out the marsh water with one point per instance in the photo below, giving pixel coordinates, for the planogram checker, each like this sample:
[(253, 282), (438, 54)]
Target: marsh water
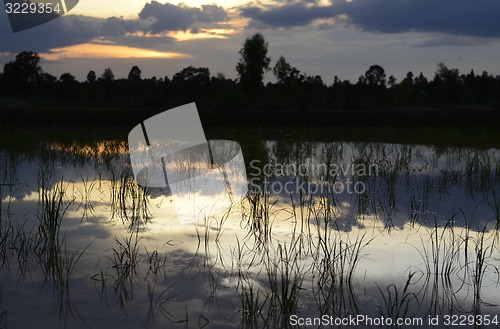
[(329, 230)]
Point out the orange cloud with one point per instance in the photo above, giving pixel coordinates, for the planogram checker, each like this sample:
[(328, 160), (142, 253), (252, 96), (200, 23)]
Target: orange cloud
[(92, 50), (202, 34)]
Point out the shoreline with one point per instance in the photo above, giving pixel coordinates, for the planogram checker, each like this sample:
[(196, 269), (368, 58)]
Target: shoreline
[(129, 117), (478, 137)]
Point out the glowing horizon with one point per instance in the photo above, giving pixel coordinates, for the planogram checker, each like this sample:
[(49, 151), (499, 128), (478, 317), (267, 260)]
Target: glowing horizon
[(203, 34), (102, 51)]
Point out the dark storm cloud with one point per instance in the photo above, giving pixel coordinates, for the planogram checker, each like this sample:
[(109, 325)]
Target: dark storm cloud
[(72, 29), (114, 26), (168, 17), (456, 17), (64, 31), (297, 14)]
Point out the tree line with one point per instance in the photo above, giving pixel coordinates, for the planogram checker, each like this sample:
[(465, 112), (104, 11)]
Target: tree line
[(293, 90)]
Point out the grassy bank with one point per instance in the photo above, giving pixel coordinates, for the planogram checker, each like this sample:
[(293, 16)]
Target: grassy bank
[(476, 127)]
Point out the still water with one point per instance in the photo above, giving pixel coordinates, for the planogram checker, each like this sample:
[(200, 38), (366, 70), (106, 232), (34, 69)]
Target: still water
[(329, 233)]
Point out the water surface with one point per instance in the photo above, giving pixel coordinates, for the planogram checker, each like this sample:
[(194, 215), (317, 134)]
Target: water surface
[(414, 236)]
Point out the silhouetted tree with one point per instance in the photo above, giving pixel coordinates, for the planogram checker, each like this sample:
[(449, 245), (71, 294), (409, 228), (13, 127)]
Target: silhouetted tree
[(67, 86), (198, 76), (447, 85), (445, 74), (422, 87), (222, 92), (137, 87), (220, 76), (67, 78), (392, 81), (314, 80), (375, 76), (254, 62), (421, 80), (107, 80), (404, 94), (191, 83), (284, 72), (23, 73), (293, 91), (108, 75), (134, 74), (91, 76), (362, 80), (47, 79), (409, 78)]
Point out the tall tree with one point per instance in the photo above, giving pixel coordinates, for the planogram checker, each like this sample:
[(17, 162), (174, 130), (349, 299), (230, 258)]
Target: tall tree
[(91, 76), (443, 73), (134, 74), (448, 84), (284, 72), (375, 76), (108, 75), (107, 78), (254, 62), (23, 73)]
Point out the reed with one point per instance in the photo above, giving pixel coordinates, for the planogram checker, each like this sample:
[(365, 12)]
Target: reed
[(162, 303), (442, 257), (285, 276), (126, 257), (157, 261), (50, 247), (6, 232), (258, 216), (334, 267), (133, 202), (482, 264), (86, 204), (399, 302), (252, 306)]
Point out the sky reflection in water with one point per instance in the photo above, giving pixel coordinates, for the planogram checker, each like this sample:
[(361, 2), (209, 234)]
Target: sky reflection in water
[(421, 239)]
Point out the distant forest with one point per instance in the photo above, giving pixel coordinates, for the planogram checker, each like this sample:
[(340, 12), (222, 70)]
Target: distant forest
[(23, 78)]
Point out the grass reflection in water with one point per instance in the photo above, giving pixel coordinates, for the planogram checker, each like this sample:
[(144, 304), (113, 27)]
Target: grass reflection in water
[(420, 240)]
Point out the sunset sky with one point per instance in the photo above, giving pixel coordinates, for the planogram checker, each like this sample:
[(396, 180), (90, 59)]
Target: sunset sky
[(319, 37)]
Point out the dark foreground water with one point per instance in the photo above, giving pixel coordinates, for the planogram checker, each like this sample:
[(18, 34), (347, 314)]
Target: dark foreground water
[(330, 234)]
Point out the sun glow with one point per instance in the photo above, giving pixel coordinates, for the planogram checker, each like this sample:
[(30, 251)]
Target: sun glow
[(202, 34), (92, 50)]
